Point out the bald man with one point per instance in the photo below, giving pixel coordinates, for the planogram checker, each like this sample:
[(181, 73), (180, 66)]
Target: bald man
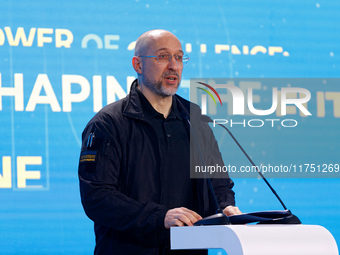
[(134, 168)]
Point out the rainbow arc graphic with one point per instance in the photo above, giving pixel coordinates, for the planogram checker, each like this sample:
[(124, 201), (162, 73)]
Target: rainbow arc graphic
[(209, 93)]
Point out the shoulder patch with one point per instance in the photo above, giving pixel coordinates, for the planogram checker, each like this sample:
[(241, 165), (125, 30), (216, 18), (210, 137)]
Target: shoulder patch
[(88, 157)]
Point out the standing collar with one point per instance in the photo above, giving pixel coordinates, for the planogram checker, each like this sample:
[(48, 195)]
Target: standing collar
[(133, 108), (149, 112)]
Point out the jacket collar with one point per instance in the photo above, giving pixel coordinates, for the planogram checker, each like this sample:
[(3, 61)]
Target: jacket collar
[(149, 112), (134, 108)]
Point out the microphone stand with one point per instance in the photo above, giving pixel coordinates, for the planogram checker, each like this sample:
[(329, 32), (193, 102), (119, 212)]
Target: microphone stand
[(274, 217)]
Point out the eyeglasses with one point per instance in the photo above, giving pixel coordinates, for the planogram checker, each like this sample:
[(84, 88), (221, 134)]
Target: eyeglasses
[(164, 58)]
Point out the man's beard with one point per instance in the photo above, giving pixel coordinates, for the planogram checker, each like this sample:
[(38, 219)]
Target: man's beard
[(158, 88)]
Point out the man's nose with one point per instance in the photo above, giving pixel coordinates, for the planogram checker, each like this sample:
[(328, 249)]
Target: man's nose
[(173, 65)]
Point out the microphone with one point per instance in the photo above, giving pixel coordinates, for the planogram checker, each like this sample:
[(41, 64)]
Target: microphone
[(219, 218), (271, 217)]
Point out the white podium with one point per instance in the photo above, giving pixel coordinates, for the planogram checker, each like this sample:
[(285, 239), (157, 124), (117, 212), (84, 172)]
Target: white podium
[(256, 239)]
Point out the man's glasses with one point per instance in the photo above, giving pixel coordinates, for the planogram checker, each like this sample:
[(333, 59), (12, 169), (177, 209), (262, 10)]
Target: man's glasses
[(164, 58)]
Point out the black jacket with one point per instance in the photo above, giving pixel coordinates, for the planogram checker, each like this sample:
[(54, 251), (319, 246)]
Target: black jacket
[(119, 176)]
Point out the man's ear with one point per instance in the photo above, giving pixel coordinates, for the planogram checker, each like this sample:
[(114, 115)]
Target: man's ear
[(137, 64)]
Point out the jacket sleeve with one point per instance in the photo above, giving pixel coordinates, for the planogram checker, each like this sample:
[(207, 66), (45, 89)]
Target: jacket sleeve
[(99, 171)]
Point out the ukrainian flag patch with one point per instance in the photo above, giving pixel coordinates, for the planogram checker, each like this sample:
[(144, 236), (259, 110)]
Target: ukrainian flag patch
[(88, 156)]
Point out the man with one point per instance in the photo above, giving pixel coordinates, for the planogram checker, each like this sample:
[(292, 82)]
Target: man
[(135, 159)]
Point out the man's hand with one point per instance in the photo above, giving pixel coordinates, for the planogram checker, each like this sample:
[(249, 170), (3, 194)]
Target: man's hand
[(179, 217), (231, 210)]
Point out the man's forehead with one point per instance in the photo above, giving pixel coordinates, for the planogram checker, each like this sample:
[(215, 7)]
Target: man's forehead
[(178, 50), (166, 43)]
